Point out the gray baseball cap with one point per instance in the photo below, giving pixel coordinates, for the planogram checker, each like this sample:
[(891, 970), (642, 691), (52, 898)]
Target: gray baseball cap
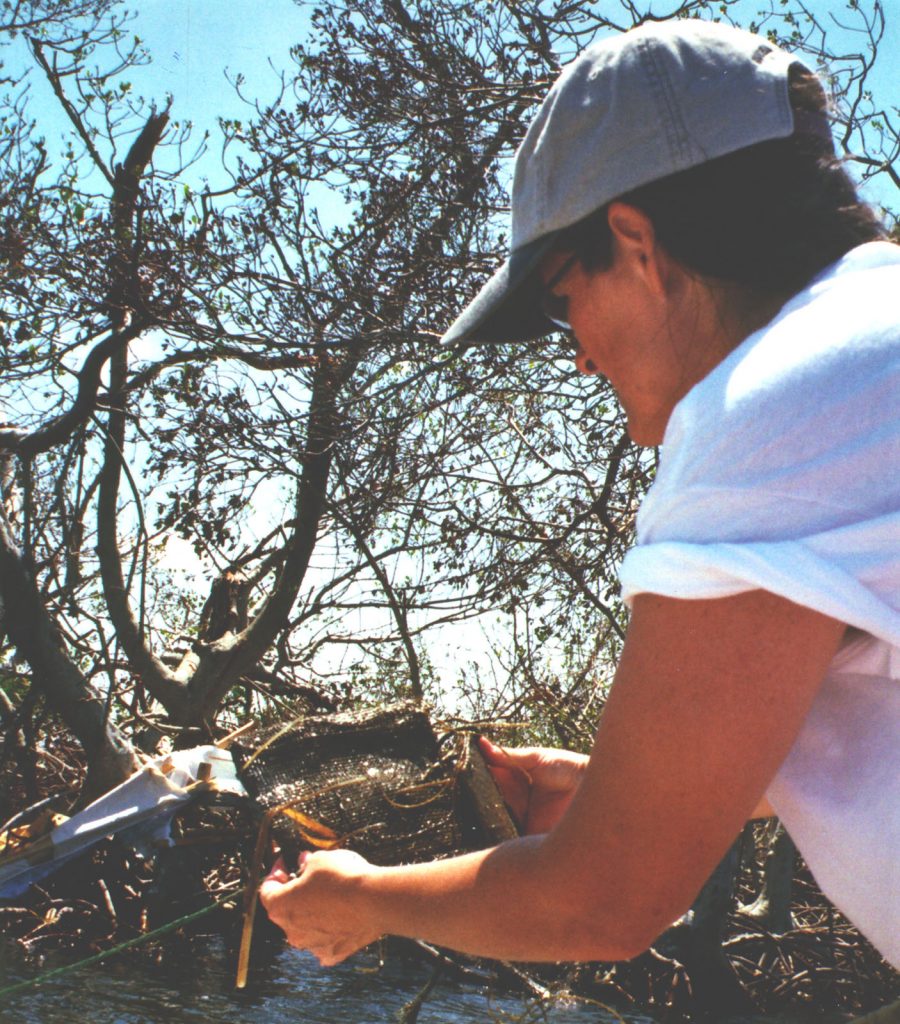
[(627, 111)]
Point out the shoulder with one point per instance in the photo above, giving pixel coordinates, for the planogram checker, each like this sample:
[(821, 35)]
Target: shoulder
[(803, 414), (838, 336)]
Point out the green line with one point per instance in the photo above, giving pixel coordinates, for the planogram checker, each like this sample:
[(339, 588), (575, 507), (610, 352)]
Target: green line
[(20, 986)]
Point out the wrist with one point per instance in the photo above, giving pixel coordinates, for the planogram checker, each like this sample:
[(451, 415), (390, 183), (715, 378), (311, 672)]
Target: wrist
[(369, 896)]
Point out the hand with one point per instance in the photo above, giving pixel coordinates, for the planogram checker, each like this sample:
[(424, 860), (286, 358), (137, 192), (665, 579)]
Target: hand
[(321, 909), (537, 783)]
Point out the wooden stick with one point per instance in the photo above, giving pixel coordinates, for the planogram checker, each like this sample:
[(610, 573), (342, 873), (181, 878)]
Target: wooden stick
[(225, 742), (256, 867), (250, 893)]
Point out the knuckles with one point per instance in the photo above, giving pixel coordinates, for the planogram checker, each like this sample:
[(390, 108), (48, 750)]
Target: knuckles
[(299, 906)]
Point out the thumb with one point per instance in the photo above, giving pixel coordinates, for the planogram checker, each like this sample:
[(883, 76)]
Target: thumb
[(508, 757), (491, 752)]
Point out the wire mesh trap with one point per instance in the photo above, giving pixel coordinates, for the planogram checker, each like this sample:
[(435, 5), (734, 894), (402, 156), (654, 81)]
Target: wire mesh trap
[(378, 782)]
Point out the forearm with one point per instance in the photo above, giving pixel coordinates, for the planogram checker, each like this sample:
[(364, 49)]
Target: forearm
[(708, 699), (507, 903)]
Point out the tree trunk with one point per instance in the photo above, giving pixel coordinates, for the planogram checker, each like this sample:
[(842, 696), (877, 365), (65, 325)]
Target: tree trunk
[(696, 941), (111, 758), (772, 908)]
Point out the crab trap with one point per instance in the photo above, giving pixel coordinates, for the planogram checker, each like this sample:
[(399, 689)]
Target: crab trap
[(378, 782)]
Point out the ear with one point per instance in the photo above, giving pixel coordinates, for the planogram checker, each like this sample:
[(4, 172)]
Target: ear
[(636, 244)]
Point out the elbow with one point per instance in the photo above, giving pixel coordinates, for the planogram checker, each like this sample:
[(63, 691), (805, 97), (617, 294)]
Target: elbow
[(606, 921), (633, 941), (630, 944), (594, 933), (610, 915)]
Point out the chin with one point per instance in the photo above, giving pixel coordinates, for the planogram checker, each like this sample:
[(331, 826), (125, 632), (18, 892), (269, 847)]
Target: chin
[(648, 435)]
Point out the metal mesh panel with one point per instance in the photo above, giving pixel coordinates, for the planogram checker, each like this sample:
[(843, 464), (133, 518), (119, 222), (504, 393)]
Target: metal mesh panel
[(377, 780)]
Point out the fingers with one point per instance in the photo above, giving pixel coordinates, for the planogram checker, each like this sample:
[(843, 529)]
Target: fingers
[(519, 760), (269, 888), (492, 753), (507, 757), (274, 895), (278, 873), (315, 908), (330, 956)]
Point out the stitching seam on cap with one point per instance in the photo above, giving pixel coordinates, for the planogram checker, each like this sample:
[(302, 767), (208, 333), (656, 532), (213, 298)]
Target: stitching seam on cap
[(666, 106)]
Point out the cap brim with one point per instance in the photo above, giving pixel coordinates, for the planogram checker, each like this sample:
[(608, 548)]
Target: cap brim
[(505, 309)]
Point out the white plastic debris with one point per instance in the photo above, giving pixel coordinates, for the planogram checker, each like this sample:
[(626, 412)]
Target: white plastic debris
[(139, 810)]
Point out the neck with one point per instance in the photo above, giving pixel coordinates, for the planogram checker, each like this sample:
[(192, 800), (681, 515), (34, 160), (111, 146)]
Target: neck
[(710, 322), (737, 311)]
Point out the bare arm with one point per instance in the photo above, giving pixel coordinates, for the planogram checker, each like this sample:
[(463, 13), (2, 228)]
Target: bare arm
[(707, 700), (538, 783)]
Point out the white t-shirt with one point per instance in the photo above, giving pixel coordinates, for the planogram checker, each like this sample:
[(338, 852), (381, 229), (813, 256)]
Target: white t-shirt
[(780, 472)]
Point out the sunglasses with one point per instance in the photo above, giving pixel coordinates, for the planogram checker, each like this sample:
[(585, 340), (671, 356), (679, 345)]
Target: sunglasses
[(556, 307)]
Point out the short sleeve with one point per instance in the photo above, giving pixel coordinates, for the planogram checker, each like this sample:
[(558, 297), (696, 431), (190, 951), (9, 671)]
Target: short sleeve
[(779, 469)]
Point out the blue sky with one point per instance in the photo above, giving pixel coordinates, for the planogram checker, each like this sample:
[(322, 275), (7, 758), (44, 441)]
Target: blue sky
[(194, 42)]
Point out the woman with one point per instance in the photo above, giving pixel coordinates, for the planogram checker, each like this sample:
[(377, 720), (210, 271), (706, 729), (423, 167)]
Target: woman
[(674, 208)]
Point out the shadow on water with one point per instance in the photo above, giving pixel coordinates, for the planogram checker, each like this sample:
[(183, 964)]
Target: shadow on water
[(291, 988)]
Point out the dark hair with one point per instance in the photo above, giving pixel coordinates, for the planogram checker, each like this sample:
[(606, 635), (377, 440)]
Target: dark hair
[(768, 217)]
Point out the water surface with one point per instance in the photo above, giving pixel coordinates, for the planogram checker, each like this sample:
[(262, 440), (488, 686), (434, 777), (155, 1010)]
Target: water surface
[(291, 987)]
